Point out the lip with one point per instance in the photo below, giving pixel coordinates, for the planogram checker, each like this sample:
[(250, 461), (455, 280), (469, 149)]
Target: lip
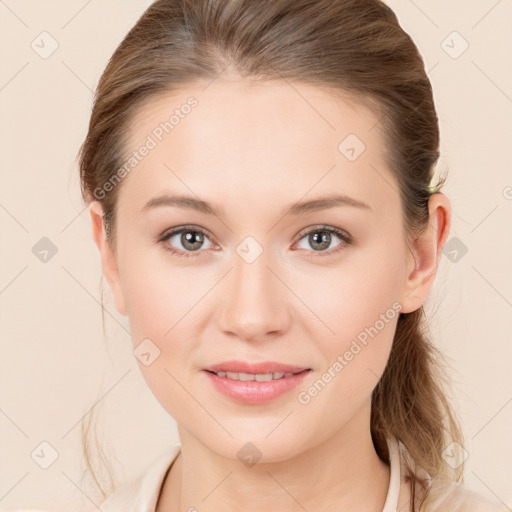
[(261, 367), (255, 392)]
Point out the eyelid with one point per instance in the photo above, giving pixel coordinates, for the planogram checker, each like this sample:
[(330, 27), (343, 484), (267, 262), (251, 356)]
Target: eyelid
[(325, 227)]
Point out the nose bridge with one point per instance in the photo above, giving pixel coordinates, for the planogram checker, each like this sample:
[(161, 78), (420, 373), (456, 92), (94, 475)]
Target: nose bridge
[(255, 303)]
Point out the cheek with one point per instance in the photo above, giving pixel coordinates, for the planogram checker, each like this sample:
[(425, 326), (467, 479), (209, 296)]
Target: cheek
[(353, 297), (157, 293), (358, 304), (163, 306), (354, 358), (161, 319)]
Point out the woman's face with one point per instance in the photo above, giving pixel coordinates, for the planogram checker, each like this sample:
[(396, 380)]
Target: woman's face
[(254, 282)]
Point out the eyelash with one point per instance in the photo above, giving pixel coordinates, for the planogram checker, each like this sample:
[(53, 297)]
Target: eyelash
[(342, 235)]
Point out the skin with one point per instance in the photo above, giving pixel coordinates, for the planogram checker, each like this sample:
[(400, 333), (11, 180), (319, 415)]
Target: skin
[(252, 150)]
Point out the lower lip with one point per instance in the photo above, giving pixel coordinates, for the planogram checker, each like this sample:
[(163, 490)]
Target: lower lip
[(254, 392)]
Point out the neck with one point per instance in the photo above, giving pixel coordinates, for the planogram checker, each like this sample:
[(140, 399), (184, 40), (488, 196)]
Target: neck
[(333, 475)]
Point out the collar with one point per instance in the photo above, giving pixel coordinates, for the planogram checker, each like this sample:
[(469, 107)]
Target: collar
[(141, 494)]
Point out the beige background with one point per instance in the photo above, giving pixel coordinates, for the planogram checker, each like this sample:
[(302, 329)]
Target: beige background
[(55, 363)]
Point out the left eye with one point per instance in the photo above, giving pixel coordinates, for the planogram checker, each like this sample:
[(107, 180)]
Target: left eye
[(320, 239), (193, 239)]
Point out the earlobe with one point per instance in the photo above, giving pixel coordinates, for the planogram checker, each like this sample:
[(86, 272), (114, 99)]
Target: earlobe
[(107, 255), (426, 254)]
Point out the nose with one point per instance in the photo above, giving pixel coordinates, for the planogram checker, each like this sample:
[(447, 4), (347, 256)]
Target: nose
[(255, 305)]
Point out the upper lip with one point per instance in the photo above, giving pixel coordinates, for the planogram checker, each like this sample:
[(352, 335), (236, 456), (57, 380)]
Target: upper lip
[(253, 367)]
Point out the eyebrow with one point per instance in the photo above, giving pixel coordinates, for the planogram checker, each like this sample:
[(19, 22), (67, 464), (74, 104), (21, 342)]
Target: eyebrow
[(296, 209)]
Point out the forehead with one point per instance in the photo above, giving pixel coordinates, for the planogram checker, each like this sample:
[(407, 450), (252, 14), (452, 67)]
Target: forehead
[(273, 139)]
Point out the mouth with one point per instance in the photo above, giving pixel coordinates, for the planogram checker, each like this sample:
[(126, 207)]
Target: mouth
[(255, 383), (259, 377)]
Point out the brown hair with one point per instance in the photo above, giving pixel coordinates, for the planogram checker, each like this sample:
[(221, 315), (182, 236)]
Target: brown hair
[(351, 47)]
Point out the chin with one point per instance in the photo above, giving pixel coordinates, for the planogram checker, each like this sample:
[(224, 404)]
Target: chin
[(262, 443)]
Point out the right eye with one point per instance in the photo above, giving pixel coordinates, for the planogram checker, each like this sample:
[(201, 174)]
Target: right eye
[(189, 240)]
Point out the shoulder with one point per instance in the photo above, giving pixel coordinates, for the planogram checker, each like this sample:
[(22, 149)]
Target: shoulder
[(446, 495), (141, 493), (454, 497)]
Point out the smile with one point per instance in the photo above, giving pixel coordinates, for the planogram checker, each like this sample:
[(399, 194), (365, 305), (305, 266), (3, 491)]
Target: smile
[(260, 377), (254, 388)]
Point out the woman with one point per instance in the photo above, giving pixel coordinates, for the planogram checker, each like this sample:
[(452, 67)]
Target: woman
[(260, 183)]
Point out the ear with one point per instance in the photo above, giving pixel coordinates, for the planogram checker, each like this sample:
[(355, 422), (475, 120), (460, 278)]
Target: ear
[(427, 250), (108, 257)]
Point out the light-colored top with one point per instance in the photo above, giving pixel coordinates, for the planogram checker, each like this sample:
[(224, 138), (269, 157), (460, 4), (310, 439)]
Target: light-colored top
[(141, 494)]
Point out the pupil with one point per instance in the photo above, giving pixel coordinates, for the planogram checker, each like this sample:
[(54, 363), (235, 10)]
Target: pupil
[(191, 240), (324, 239)]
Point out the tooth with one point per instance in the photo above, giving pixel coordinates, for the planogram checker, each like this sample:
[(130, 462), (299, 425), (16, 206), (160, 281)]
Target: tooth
[(259, 377), (263, 377), (246, 376)]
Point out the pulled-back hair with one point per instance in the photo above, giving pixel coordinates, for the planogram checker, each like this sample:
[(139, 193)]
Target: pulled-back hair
[(351, 47)]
